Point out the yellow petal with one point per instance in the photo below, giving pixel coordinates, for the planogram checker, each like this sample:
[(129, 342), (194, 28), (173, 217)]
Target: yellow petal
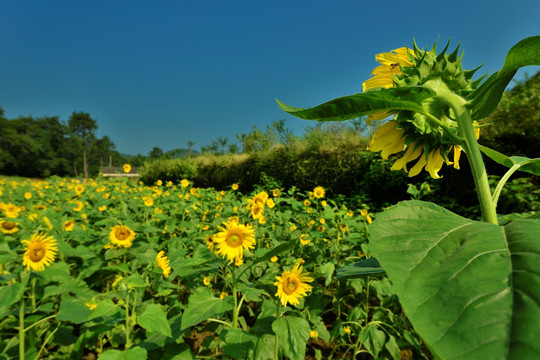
[(379, 115), (434, 163), (413, 151), (418, 166), (457, 154), (377, 82)]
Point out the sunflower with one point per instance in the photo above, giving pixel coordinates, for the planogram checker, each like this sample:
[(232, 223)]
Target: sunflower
[(27, 195), (79, 189), (148, 201), (127, 168), (69, 225), (234, 186), (292, 285), (11, 210), (318, 192), (79, 206), (40, 251), (257, 211), (163, 263), (8, 227), (121, 236), (184, 183), (233, 239)]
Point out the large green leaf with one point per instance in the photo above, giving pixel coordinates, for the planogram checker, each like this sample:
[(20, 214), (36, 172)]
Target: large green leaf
[(238, 343), (471, 289), (154, 319), (360, 268), (353, 106), (293, 334), (486, 98), (202, 305), (9, 295)]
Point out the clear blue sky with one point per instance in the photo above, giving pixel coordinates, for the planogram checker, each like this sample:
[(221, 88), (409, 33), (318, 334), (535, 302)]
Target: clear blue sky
[(162, 73)]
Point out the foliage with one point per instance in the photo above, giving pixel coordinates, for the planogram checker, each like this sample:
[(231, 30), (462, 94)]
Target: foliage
[(109, 303)]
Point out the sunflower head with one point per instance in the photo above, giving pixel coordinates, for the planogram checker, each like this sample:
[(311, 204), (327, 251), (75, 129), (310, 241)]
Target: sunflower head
[(8, 227), (232, 240), (293, 285), (127, 168), (121, 236), (163, 263), (40, 252)]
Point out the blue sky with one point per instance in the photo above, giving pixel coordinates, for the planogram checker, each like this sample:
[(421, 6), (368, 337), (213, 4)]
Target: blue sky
[(163, 73)]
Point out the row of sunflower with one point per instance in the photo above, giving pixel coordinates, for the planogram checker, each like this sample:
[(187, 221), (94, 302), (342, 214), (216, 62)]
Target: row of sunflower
[(113, 268)]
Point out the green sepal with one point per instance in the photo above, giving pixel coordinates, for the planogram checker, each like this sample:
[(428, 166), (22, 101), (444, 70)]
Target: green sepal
[(354, 106), (486, 98)]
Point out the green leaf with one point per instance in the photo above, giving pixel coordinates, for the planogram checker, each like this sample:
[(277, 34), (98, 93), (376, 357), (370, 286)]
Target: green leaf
[(200, 263), (471, 289), (73, 310), (266, 254), (293, 334), (360, 269), (486, 98), (202, 305), (354, 106), (238, 343), (137, 352), (9, 295), (523, 163), (373, 339), (104, 308), (327, 270), (154, 320), (135, 281)]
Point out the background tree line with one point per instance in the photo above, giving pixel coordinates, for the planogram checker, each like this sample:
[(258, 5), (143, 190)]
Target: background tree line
[(45, 146)]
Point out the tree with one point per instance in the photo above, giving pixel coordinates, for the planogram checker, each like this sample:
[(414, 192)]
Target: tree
[(83, 127), (156, 153)]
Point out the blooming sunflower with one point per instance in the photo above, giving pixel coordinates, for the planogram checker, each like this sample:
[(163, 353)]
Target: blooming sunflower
[(318, 192), (8, 227), (292, 285), (233, 239), (121, 236), (127, 168), (11, 210), (79, 189), (68, 225), (40, 252), (184, 183), (163, 263)]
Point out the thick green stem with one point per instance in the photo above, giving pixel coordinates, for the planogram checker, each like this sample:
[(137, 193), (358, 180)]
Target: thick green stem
[(466, 129), (235, 297), (21, 329)]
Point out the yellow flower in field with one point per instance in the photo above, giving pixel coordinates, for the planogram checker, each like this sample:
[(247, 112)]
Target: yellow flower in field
[(159, 183), (90, 305), (79, 189), (262, 220), (233, 240), (184, 183), (274, 259), (206, 281), (40, 252), (238, 261), (117, 279), (270, 203), (324, 203), (346, 329), (234, 186), (127, 168), (322, 220), (313, 334), (102, 208), (303, 240), (48, 223), (365, 214), (8, 227), (68, 225), (79, 206), (318, 192), (223, 295), (148, 201), (259, 199), (292, 228), (163, 263), (27, 195), (275, 192), (257, 211), (210, 242), (292, 285), (307, 202), (11, 210), (121, 236)]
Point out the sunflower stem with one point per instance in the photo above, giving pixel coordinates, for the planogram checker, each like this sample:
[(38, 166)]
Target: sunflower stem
[(466, 129), (235, 297), (128, 340), (21, 329), (276, 342)]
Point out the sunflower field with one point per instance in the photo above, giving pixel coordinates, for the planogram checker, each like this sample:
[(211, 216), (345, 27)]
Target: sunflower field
[(114, 269)]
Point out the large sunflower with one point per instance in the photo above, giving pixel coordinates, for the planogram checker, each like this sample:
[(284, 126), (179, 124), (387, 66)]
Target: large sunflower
[(40, 251), (121, 236), (233, 239), (292, 285)]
